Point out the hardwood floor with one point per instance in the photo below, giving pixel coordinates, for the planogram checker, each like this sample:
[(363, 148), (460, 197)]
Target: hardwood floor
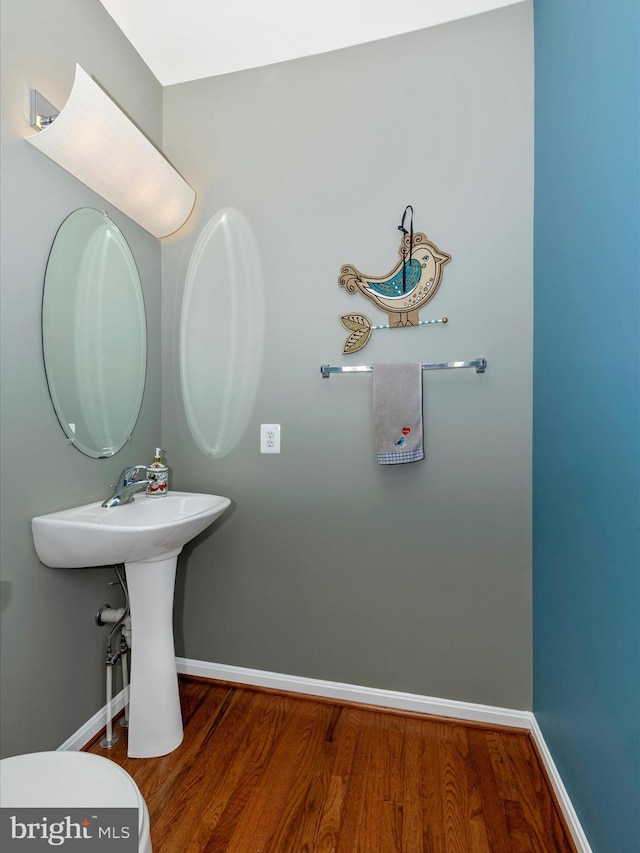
[(267, 772)]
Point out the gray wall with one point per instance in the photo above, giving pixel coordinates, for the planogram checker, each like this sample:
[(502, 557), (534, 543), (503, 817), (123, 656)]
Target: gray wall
[(52, 652), (414, 577), (303, 577)]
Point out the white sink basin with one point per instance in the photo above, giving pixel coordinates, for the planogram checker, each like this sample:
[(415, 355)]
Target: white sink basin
[(92, 535)]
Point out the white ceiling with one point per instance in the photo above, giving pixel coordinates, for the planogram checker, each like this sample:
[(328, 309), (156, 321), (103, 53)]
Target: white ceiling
[(184, 40)]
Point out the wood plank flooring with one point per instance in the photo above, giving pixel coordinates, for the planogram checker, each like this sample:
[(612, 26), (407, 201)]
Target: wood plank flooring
[(266, 772)]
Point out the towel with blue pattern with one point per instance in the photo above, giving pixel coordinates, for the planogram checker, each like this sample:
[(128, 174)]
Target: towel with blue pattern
[(397, 413)]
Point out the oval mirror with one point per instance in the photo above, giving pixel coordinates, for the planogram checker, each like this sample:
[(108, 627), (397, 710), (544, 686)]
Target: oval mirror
[(94, 333)]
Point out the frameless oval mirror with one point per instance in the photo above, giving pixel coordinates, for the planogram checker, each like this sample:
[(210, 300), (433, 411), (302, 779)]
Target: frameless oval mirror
[(94, 333)]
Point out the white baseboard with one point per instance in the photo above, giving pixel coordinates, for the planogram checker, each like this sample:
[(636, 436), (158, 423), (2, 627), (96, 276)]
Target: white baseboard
[(375, 696), (570, 816), (93, 726), (353, 693)]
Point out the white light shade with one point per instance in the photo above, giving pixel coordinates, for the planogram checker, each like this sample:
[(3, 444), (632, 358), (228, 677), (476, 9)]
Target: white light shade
[(95, 141)]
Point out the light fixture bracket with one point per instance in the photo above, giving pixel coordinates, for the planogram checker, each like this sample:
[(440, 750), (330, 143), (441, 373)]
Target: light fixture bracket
[(41, 112)]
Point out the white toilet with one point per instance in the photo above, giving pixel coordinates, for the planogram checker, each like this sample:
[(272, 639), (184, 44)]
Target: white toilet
[(71, 780)]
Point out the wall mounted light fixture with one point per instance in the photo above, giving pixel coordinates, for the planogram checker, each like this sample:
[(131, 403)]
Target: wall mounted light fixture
[(95, 141)]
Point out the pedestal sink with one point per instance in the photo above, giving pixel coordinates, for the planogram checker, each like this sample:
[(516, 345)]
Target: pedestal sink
[(146, 535)]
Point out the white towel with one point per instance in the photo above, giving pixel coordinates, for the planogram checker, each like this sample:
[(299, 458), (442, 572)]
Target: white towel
[(397, 413)]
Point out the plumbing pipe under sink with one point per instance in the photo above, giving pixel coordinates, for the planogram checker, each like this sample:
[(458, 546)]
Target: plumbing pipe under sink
[(107, 615)]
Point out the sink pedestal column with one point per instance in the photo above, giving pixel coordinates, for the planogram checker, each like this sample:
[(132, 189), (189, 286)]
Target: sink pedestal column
[(155, 716)]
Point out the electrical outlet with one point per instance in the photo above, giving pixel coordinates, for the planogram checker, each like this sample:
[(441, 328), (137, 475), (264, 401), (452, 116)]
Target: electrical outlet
[(269, 438)]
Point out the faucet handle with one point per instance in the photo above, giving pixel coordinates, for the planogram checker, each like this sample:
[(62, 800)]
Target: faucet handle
[(128, 475)]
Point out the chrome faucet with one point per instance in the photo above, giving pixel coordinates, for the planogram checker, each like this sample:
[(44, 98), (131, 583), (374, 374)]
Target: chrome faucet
[(127, 486)]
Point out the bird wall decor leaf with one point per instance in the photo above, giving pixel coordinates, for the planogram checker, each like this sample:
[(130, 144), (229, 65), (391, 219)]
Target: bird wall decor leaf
[(360, 327), (355, 322)]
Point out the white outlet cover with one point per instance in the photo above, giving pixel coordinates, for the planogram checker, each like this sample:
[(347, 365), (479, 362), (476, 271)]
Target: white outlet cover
[(269, 438)]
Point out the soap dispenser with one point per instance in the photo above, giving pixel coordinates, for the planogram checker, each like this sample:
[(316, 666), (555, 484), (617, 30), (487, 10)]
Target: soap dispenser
[(158, 477)]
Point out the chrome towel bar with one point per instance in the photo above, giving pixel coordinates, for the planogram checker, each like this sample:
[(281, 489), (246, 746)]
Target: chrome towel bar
[(480, 365)]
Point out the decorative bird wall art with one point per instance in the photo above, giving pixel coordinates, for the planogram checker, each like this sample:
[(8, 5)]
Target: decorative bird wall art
[(401, 293)]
